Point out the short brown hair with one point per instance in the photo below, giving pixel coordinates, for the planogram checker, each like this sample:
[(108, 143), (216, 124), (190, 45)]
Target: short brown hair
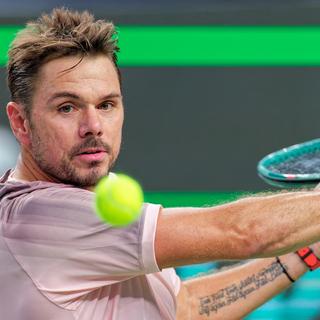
[(58, 34)]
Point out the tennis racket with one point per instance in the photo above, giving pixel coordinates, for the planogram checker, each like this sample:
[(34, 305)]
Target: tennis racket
[(294, 166)]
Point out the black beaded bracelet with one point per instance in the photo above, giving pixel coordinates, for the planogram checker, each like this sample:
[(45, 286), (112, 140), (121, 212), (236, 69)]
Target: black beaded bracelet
[(284, 270)]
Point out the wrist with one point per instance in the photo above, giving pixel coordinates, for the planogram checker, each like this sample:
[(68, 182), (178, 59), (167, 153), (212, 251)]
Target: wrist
[(294, 265)]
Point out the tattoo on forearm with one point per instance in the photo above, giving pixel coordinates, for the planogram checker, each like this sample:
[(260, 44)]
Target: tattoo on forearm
[(233, 293)]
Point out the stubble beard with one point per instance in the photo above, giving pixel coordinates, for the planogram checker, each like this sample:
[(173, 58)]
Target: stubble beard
[(65, 172)]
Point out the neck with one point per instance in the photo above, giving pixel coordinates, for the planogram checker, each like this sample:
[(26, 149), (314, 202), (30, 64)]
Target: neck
[(26, 169)]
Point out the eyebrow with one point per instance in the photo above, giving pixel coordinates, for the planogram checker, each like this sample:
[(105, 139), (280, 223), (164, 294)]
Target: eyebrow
[(67, 94)]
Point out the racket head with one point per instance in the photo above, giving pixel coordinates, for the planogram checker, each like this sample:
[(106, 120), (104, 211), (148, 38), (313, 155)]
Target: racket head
[(292, 166)]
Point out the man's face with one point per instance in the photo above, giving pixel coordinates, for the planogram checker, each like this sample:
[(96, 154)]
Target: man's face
[(76, 119)]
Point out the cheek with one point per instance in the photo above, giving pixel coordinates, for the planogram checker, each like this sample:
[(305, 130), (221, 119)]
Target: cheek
[(55, 141)]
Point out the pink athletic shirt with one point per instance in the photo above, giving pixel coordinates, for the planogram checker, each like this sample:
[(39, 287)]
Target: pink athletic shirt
[(59, 262)]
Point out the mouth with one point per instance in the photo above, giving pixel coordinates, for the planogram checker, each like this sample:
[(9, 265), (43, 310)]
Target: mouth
[(92, 154)]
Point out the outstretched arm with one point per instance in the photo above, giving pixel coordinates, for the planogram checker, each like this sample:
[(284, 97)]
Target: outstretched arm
[(234, 293), (248, 228)]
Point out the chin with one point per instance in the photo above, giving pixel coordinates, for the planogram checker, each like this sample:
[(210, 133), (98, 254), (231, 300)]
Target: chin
[(94, 175)]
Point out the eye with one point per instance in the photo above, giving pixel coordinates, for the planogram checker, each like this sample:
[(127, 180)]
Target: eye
[(66, 108), (107, 105)]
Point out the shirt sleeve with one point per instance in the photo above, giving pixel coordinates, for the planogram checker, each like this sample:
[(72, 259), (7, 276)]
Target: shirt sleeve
[(173, 279), (56, 237)]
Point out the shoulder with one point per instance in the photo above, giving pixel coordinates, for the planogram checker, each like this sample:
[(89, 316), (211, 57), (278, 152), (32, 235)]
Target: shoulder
[(52, 201), (54, 194)]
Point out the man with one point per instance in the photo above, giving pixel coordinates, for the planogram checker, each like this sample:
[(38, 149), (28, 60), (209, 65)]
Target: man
[(58, 261)]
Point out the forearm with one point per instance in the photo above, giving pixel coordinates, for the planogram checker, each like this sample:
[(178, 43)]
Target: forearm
[(249, 228), (234, 293)]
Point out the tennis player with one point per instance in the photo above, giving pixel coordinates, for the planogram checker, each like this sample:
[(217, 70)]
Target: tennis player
[(59, 262)]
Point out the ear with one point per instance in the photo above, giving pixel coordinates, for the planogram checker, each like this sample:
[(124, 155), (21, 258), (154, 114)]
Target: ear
[(18, 122)]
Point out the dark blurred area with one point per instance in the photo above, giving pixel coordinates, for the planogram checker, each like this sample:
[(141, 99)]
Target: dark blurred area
[(230, 12)]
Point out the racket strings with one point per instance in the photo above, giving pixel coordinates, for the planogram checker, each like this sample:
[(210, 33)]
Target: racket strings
[(300, 163)]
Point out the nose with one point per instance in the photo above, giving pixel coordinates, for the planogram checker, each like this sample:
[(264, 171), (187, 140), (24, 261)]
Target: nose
[(90, 123)]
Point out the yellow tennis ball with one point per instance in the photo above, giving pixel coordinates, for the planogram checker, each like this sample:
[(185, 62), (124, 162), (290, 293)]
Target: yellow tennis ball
[(119, 199)]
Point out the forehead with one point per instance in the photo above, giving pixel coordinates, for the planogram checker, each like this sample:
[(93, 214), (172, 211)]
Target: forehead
[(90, 73)]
